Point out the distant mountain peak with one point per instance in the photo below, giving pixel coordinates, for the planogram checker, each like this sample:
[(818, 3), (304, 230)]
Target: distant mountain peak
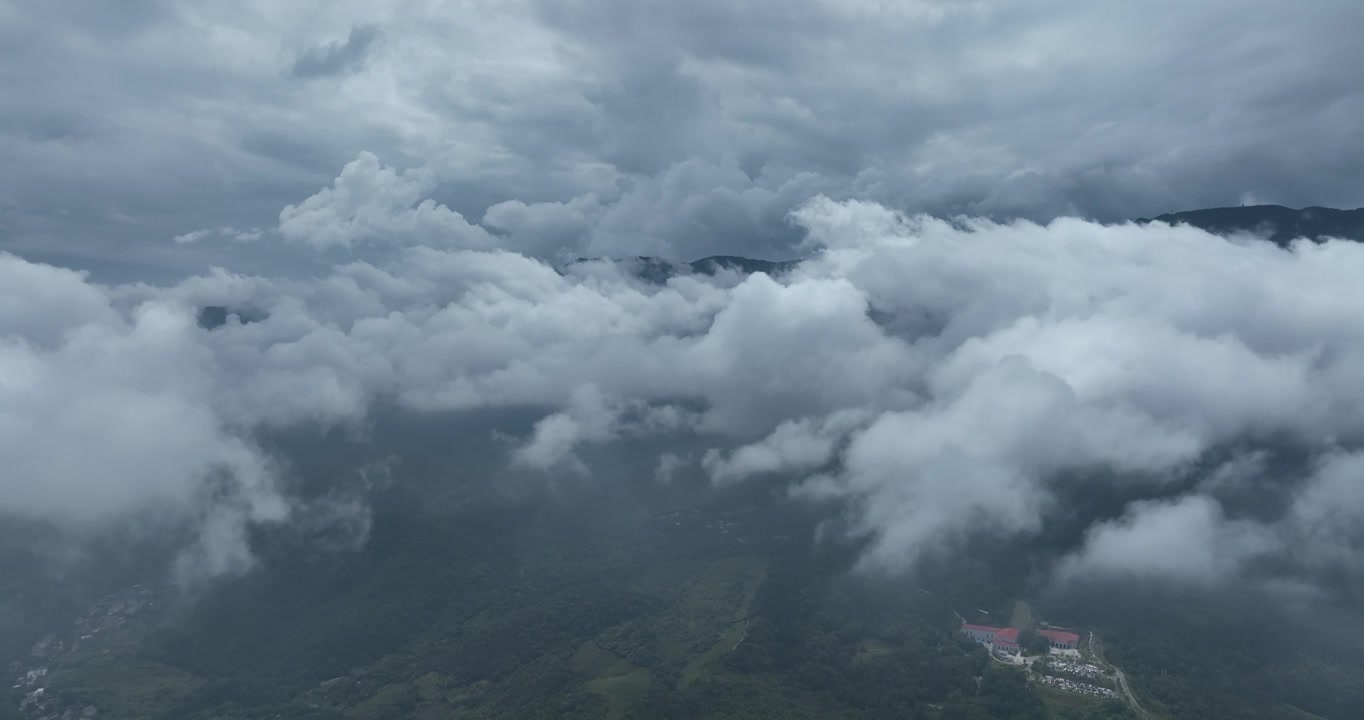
[(659, 270), (1276, 223), (212, 317)]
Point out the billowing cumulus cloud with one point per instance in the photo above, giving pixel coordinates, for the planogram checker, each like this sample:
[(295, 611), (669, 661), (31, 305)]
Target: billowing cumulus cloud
[(796, 445), (1196, 540), (371, 203), (933, 380), (108, 415), (1189, 539)]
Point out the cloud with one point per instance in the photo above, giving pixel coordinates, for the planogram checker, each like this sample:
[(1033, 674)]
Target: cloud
[(1112, 352), (554, 438), (193, 236), (592, 418), (544, 229), (338, 57), (1323, 520), (1188, 539), (226, 232), (106, 415), (795, 446), (627, 128), (372, 203), (1195, 539), (935, 381), (669, 465)]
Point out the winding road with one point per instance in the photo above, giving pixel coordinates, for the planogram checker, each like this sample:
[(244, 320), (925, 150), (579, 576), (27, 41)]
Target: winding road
[(1122, 678)]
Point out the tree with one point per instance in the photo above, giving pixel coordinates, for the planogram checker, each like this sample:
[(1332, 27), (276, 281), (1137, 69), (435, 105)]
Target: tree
[(1032, 643)]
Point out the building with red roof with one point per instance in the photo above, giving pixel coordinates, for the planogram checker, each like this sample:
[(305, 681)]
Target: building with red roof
[(1006, 639), (980, 633), (1061, 639)]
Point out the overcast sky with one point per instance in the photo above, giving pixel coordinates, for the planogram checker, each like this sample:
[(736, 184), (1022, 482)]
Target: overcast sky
[(626, 127)]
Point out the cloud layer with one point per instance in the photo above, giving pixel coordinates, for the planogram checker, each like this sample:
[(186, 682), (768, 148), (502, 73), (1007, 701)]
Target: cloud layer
[(935, 380), (609, 127)]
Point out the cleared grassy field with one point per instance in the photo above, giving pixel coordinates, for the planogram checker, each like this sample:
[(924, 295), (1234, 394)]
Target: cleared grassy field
[(622, 691), (126, 686), (872, 649), (703, 606), (700, 665), (621, 682), (1058, 702)]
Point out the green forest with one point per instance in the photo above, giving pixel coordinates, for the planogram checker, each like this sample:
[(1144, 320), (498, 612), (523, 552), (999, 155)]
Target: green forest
[(473, 600)]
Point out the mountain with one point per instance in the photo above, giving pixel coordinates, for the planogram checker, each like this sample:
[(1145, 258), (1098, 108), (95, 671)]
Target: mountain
[(1276, 223), (658, 270), (212, 317), (747, 266)]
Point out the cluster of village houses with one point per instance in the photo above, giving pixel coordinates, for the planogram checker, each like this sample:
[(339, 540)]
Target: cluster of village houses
[(30, 674)]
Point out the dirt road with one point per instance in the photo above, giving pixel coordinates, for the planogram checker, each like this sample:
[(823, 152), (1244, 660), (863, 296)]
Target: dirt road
[(1122, 678)]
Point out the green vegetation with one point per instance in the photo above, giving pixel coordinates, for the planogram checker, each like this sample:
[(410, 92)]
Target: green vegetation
[(622, 683), (1068, 706), (1033, 643), (126, 686), (622, 691), (1288, 712), (1227, 662), (869, 650), (701, 664), (472, 600), (490, 607)]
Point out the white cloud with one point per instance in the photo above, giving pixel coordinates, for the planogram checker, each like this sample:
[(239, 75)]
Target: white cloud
[(192, 237), (1187, 539), (669, 465), (42, 303), (370, 203), (1324, 520), (224, 232), (114, 419), (588, 419), (939, 377), (1073, 347), (795, 446)]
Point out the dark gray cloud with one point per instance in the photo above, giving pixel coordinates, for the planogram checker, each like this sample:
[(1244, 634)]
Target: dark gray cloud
[(340, 56), (689, 128)]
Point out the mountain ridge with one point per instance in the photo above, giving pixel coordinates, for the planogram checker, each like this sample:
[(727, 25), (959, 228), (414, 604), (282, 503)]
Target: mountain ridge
[(1275, 223), (659, 270)]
